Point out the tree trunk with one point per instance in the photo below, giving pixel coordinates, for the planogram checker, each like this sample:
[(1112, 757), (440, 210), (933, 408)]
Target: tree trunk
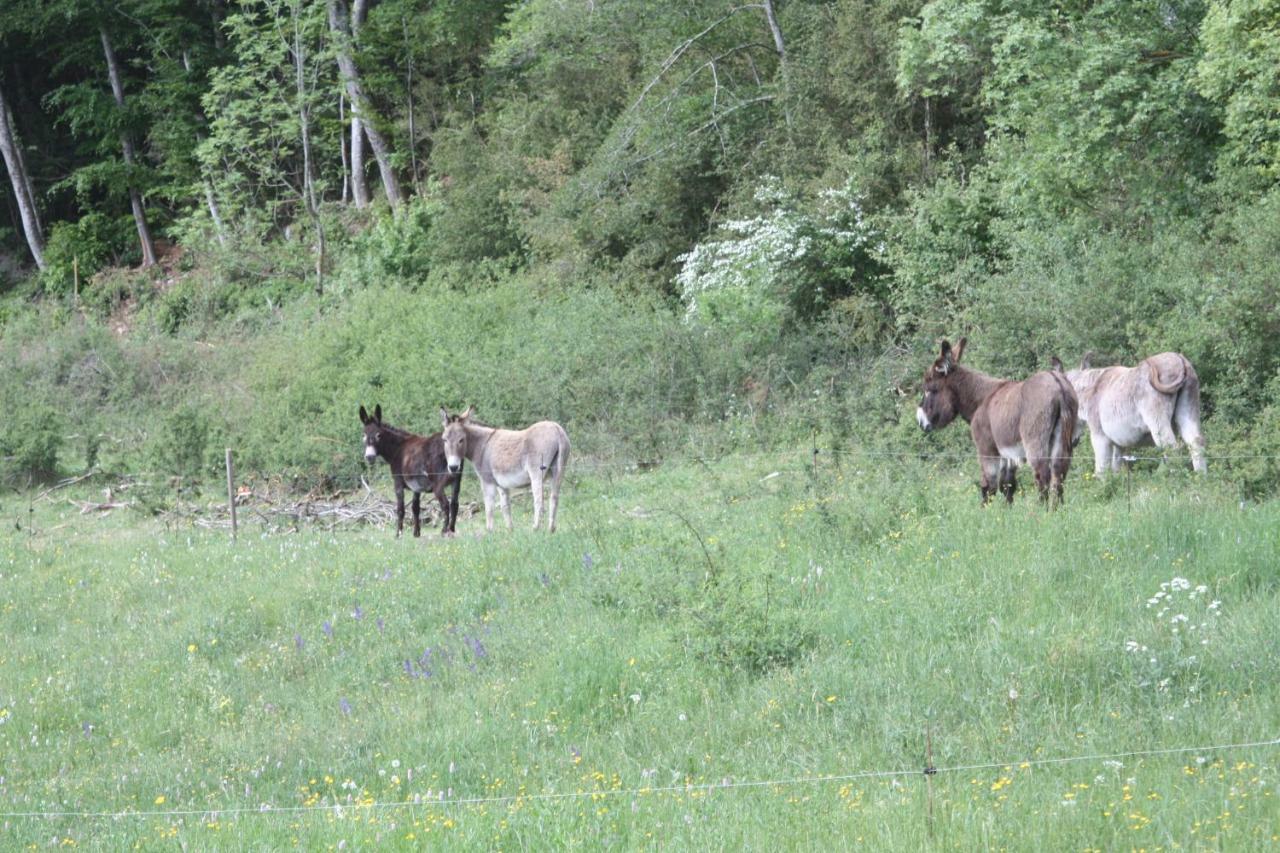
[(342, 149), (211, 200), (339, 23), (21, 182), (309, 200), (408, 89), (135, 197), (359, 179), (775, 29), (26, 173)]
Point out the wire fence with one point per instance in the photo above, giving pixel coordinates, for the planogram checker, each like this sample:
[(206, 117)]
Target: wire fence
[(442, 800), (578, 466)]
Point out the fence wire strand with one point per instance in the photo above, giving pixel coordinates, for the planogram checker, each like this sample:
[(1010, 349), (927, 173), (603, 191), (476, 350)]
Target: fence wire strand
[(688, 788)]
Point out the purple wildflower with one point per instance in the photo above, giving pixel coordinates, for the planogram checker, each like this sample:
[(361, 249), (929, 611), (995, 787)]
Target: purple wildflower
[(87, 728), (381, 625), (328, 629), (357, 613), (298, 642), (587, 562), (477, 647), (344, 706), (546, 581)]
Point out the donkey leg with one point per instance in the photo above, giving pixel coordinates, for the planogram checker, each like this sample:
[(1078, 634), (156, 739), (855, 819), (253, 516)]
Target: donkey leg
[(1186, 415), (1102, 449), (417, 514), (992, 471), (1009, 482), (399, 511), (535, 486), (488, 489), (554, 500), (1195, 443), (1044, 477), (453, 506), (442, 499), (504, 500), (557, 474)]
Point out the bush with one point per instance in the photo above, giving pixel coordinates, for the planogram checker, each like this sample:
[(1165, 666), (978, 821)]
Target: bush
[(31, 435), (184, 441), (94, 241)]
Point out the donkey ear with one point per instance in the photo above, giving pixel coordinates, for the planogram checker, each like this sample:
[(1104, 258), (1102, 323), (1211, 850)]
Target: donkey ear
[(444, 416), (364, 416), (377, 413), (1056, 363), (1087, 360), (471, 410), (945, 361), (959, 350)]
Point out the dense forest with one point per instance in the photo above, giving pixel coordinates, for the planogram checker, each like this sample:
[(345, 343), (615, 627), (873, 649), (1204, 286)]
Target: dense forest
[(684, 225)]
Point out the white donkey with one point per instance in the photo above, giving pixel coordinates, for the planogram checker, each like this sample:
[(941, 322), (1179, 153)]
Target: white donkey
[(506, 458), (1127, 407)]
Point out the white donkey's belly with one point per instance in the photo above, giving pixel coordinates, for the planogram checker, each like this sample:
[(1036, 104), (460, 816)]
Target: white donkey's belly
[(511, 479), (1125, 430)]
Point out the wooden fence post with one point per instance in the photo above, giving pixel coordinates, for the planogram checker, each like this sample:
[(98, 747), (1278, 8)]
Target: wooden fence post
[(231, 494)]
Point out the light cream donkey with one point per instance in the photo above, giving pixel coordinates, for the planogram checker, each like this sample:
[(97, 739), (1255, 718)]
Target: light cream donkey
[(506, 458), (1128, 407)]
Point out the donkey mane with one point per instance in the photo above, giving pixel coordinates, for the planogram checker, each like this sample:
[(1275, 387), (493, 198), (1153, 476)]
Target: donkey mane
[(973, 386), (473, 422)]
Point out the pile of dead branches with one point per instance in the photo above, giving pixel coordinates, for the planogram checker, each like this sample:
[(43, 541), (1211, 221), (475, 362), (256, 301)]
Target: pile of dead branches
[(328, 509)]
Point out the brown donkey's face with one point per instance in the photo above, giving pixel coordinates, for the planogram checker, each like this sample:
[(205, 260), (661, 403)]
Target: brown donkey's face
[(454, 437), (372, 432), (940, 403)]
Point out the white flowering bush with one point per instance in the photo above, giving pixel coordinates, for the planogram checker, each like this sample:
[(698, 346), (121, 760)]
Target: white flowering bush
[(1182, 622), (782, 264)]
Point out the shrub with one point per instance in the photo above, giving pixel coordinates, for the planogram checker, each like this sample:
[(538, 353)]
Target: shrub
[(94, 241), (31, 435)]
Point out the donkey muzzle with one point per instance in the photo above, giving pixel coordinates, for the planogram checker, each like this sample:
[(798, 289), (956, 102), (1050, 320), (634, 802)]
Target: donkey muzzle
[(923, 419), (453, 469)]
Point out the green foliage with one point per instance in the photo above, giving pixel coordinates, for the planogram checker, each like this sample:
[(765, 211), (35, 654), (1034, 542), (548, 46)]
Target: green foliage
[(751, 627), (781, 268), (939, 248), (1240, 72), (94, 241), (183, 445), (31, 436)]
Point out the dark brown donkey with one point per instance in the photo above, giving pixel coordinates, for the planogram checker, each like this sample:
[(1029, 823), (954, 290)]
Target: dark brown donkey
[(1012, 422), (416, 462)]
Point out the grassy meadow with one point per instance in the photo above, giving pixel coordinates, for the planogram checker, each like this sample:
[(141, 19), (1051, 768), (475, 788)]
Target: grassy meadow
[(793, 638)]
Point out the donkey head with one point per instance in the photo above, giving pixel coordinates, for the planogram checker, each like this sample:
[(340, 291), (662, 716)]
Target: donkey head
[(455, 437), (940, 404), (372, 432)]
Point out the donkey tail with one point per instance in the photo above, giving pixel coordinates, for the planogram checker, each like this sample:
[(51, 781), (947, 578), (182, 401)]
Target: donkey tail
[(1068, 415), (559, 456), (1062, 440), (1173, 386)]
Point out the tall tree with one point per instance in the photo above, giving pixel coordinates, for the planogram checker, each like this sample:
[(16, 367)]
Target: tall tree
[(20, 179), (359, 180), (126, 144), (340, 23)]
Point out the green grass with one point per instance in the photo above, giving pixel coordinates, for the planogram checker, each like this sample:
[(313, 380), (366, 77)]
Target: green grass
[(695, 624)]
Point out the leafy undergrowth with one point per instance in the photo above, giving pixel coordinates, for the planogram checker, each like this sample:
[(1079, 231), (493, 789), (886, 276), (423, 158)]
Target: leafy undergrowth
[(703, 656)]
